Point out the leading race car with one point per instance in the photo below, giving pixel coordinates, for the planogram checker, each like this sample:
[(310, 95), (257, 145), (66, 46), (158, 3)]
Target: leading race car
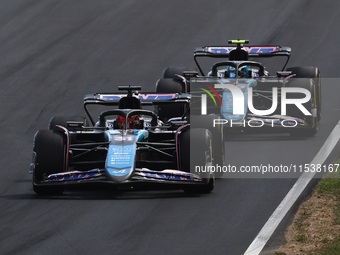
[(243, 92), (125, 146)]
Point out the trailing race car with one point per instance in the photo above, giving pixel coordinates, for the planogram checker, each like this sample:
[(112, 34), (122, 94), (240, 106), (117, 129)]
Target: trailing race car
[(244, 94), (125, 146)]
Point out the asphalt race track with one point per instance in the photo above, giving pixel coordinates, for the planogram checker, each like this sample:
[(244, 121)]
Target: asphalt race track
[(53, 52)]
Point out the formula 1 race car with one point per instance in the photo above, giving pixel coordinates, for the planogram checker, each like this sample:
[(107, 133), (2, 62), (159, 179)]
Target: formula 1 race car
[(125, 146), (244, 94)]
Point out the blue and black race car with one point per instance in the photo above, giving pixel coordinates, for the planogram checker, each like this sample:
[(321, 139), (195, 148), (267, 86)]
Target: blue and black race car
[(245, 94), (126, 145)]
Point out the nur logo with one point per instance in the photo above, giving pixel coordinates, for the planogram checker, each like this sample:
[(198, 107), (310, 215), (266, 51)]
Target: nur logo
[(238, 97)]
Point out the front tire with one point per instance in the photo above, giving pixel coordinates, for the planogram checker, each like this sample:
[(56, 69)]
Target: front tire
[(49, 148), (62, 121), (200, 139)]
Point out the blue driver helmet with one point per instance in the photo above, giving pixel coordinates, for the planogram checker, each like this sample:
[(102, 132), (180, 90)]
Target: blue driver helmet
[(243, 72), (231, 72)]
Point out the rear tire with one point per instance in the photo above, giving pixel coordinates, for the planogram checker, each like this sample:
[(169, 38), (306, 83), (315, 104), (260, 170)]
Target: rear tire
[(203, 157), (49, 147), (313, 73), (293, 111), (173, 71), (167, 111), (201, 121)]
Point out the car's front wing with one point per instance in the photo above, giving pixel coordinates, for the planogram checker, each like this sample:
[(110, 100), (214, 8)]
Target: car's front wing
[(168, 176)]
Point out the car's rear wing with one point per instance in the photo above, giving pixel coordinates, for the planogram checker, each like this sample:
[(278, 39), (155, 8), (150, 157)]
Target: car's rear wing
[(147, 99), (254, 51)]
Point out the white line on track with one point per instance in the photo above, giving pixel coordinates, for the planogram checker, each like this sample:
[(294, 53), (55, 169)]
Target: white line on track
[(274, 220)]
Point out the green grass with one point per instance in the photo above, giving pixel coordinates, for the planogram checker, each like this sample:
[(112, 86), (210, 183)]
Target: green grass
[(301, 238), (331, 186), (333, 248), (300, 223)]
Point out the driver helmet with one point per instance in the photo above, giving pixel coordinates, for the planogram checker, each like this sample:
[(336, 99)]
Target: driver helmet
[(133, 122), (243, 72)]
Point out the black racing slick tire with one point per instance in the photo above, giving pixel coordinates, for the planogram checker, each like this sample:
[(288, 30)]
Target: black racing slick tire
[(313, 73), (50, 157), (201, 156), (173, 71), (62, 121), (294, 111), (167, 111), (207, 121)]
